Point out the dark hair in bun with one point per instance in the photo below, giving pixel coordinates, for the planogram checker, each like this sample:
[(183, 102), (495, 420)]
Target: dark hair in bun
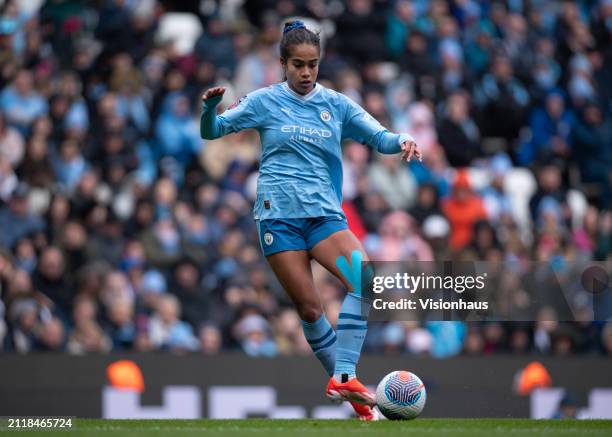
[(294, 33)]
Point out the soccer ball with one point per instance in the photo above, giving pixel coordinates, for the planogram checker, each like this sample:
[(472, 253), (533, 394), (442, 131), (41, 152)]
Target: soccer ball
[(401, 395)]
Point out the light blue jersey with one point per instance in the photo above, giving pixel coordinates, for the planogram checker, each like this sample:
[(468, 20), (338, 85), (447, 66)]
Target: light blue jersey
[(301, 165)]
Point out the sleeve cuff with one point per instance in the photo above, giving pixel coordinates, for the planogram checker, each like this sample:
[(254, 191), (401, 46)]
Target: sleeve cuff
[(211, 103), (405, 137)]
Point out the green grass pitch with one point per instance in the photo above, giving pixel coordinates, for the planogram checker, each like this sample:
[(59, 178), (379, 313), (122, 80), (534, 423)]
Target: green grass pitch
[(331, 428)]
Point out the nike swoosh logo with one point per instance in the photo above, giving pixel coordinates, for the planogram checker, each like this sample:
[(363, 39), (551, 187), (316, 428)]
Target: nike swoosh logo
[(286, 111)]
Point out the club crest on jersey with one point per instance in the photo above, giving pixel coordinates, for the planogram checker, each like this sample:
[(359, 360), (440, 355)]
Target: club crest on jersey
[(325, 116), (268, 238)]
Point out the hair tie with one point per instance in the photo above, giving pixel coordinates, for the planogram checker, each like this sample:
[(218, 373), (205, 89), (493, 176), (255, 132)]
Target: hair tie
[(297, 24)]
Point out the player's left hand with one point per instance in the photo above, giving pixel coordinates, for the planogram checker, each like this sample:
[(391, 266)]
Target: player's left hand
[(409, 150)]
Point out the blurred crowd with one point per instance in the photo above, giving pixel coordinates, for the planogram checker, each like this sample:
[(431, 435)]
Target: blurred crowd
[(121, 229)]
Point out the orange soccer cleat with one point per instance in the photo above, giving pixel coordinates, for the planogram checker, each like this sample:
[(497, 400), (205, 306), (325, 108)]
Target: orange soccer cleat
[(351, 390), (365, 412)]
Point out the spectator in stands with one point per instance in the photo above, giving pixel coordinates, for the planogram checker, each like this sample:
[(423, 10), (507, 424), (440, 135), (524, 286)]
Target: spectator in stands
[(288, 335), (457, 132), (12, 147), (193, 298), (51, 335), (427, 203), (162, 244), (177, 131), (211, 340), (23, 315), (85, 310), (21, 103), (360, 30), (152, 287), (86, 338), (550, 131), (592, 139), (106, 240), (215, 45), (497, 201), (36, 169), (26, 258), (388, 177), (463, 209), (8, 179), (550, 193), (398, 240), (166, 329), (69, 165), (17, 218), (253, 334), (122, 328), (502, 100)]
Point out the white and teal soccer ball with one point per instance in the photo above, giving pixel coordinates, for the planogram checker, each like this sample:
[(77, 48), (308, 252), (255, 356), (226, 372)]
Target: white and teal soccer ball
[(401, 395)]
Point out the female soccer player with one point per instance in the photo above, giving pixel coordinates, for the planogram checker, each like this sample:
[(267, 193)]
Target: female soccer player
[(298, 206)]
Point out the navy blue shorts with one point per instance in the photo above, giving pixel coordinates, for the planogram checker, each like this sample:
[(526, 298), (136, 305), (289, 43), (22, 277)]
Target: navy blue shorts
[(278, 235)]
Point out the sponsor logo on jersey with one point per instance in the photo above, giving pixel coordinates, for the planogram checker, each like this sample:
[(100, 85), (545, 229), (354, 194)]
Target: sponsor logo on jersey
[(293, 129), (325, 116), (268, 238)]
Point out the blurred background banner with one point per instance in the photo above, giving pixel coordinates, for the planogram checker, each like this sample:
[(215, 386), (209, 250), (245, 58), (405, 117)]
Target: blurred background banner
[(231, 386)]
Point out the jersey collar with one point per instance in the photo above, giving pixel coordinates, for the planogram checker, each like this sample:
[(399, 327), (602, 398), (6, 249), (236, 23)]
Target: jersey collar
[(303, 98)]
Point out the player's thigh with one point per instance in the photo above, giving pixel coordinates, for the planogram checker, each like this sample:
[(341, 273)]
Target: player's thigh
[(293, 270), (342, 243)]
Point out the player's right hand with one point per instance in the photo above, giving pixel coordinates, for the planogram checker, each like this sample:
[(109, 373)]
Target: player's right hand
[(213, 92), (410, 149)]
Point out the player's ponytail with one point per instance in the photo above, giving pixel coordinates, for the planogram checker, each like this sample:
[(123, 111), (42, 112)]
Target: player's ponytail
[(294, 33)]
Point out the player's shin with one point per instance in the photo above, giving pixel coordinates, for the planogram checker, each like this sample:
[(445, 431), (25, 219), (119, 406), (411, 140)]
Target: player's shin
[(352, 323), (351, 331)]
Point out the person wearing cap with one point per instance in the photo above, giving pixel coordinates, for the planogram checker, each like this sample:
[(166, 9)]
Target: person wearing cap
[(23, 315), (254, 334), (436, 230)]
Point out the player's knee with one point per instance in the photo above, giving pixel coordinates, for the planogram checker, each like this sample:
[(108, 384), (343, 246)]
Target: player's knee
[(309, 313)]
